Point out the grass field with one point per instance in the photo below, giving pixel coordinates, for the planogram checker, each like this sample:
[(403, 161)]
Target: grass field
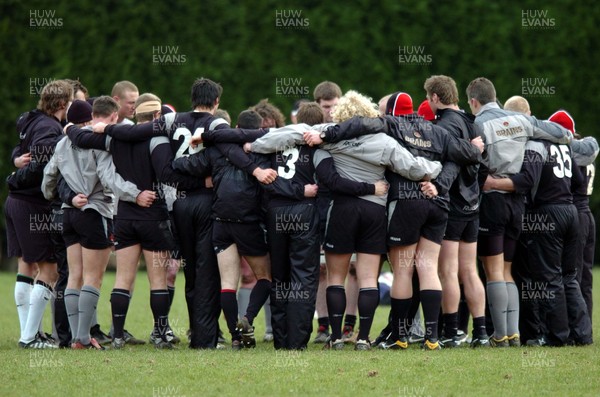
[(143, 371)]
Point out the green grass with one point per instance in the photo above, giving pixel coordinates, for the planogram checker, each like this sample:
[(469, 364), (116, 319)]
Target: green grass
[(142, 371)]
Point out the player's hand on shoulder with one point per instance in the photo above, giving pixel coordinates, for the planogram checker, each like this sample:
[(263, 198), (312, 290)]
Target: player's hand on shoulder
[(99, 127), (265, 176)]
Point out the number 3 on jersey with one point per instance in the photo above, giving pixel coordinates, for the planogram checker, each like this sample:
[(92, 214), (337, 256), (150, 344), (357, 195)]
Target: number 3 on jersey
[(290, 156), (185, 149), (563, 161)]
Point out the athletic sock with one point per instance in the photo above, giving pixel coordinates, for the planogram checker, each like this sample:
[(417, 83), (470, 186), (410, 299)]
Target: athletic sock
[(119, 302), (336, 304), (88, 300), (243, 299), (497, 295), (267, 308), (159, 303), (479, 330), (95, 318), (171, 295), (40, 296), (450, 324), (72, 307), (368, 299), (463, 312), (402, 321), (259, 295), (323, 323), (350, 320), (23, 288), (394, 321), (512, 309), (230, 310), (431, 300)]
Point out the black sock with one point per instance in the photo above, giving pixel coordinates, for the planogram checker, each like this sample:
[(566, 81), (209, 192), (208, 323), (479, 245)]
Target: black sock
[(350, 320), (259, 295), (401, 323), (171, 295), (323, 323), (159, 304), (230, 310), (119, 303), (336, 304), (368, 299), (431, 300), (479, 330), (450, 324)]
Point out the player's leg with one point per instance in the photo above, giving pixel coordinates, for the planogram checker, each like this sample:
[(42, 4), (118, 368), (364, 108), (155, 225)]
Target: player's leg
[(337, 270), (402, 264), (156, 265), (426, 264), (352, 292), (229, 271), (74, 284), (321, 305), (448, 272), (367, 272), (127, 263), (473, 289)]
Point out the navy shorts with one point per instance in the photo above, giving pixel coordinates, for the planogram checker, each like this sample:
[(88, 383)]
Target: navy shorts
[(466, 231), (29, 228), (250, 238), (151, 235), (88, 228), (409, 220), (355, 225)]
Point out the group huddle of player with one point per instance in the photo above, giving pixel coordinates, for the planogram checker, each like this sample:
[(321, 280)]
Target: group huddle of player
[(429, 192)]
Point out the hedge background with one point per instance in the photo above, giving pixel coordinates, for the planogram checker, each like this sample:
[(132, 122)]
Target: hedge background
[(248, 50)]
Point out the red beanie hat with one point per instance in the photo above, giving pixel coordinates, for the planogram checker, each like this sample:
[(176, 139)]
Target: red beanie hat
[(563, 118), (425, 111), (400, 103)]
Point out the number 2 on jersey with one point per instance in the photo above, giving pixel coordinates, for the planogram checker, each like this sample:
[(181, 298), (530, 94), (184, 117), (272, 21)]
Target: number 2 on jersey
[(185, 145)]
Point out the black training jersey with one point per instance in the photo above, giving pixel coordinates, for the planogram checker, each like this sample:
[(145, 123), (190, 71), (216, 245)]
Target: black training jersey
[(38, 135), (582, 192), (464, 192), (549, 172)]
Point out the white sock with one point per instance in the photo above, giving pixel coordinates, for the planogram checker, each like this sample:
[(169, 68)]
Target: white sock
[(40, 296), (22, 295)]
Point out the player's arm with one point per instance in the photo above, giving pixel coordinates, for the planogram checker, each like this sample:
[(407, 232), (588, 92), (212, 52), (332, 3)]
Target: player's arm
[(236, 155), (446, 178), (280, 138), (65, 194), (162, 157), (328, 175), (548, 131), (86, 139), (527, 178), (399, 160), (110, 178), (353, 128), (137, 132), (50, 179), (460, 151), (584, 150), (230, 135)]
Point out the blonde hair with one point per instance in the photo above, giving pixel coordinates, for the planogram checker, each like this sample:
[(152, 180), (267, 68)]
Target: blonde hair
[(354, 104), (517, 104)]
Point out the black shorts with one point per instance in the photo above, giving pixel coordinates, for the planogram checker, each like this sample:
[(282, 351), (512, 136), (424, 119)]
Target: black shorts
[(250, 238), (176, 254), (151, 235), (355, 225), (88, 228), (409, 220), (466, 231), (29, 227), (501, 215)]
